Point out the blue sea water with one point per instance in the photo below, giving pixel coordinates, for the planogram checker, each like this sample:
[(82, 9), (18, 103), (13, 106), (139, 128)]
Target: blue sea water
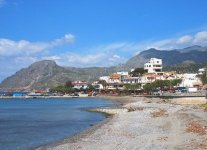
[(26, 124)]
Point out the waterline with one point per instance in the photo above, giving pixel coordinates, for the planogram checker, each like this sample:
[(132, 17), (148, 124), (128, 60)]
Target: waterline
[(26, 124)]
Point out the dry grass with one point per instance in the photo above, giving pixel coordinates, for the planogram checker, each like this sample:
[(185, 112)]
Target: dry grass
[(160, 113), (196, 127), (203, 145), (190, 101), (204, 106), (197, 145), (135, 109)]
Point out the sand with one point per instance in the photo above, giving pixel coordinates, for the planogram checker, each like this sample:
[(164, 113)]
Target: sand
[(190, 100), (144, 123)]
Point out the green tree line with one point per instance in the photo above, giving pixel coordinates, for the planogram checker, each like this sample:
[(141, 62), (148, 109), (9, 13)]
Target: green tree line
[(161, 84), (68, 88)]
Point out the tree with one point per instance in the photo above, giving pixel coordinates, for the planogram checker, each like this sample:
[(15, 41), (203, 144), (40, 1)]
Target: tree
[(203, 78), (176, 82), (59, 89), (149, 87), (132, 86), (137, 72), (161, 84), (67, 88), (90, 88), (68, 84), (103, 82)]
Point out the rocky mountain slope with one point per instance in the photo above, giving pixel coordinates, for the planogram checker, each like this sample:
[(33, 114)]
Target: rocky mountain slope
[(47, 73), (194, 54)]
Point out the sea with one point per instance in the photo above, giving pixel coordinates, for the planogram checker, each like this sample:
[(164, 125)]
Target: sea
[(26, 124)]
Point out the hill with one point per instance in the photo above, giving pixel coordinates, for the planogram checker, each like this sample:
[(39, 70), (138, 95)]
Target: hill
[(195, 54), (185, 67), (47, 73)]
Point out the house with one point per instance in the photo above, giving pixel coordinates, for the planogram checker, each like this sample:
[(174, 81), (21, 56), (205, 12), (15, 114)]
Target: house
[(115, 78), (123, 74), (201, 71), (97, 85), (80, 85), (190, 80), (151, 77), (114, 86), (105, 78), (169, 76), (132, 80), (153, 66)]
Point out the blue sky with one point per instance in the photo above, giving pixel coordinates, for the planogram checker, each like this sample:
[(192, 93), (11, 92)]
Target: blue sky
[(84, 33)]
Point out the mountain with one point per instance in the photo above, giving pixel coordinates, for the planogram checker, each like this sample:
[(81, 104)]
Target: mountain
[(47, 73), (194, 54), (185, 67), (191, 48)]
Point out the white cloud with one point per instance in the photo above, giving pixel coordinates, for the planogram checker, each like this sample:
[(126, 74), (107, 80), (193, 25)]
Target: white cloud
[(200, 38), (25, 60), (9, 65), (87, 60), (83, 60), (19, 54), (56, 58), (68, 38), (185, 40), (119, 47), (76, 60), (12, 48), (116, 56)]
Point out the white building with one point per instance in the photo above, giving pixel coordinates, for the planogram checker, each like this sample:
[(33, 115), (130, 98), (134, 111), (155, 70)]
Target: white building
[(153, 66), (105, 78), (190, 80), (97, 85), (201, 71), (114, 78), (132, 80), (80, 85), (123, 73)]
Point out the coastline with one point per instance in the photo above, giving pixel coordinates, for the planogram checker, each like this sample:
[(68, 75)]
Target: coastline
[(75, 138), (120, 101), (149, 123), (43, 97)]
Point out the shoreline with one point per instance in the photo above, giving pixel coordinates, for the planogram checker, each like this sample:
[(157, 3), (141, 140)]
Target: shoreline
[(75, 138), (108, 112), (150, 123), (120, 101)]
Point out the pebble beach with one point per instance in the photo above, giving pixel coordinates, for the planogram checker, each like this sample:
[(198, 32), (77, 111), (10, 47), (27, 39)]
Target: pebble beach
[(143, 123)]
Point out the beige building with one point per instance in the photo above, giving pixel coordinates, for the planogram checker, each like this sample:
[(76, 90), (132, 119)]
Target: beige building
[(153, 66)]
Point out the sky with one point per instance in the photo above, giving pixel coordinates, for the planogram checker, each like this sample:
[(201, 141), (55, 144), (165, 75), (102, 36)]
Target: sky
[(86, 33)]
